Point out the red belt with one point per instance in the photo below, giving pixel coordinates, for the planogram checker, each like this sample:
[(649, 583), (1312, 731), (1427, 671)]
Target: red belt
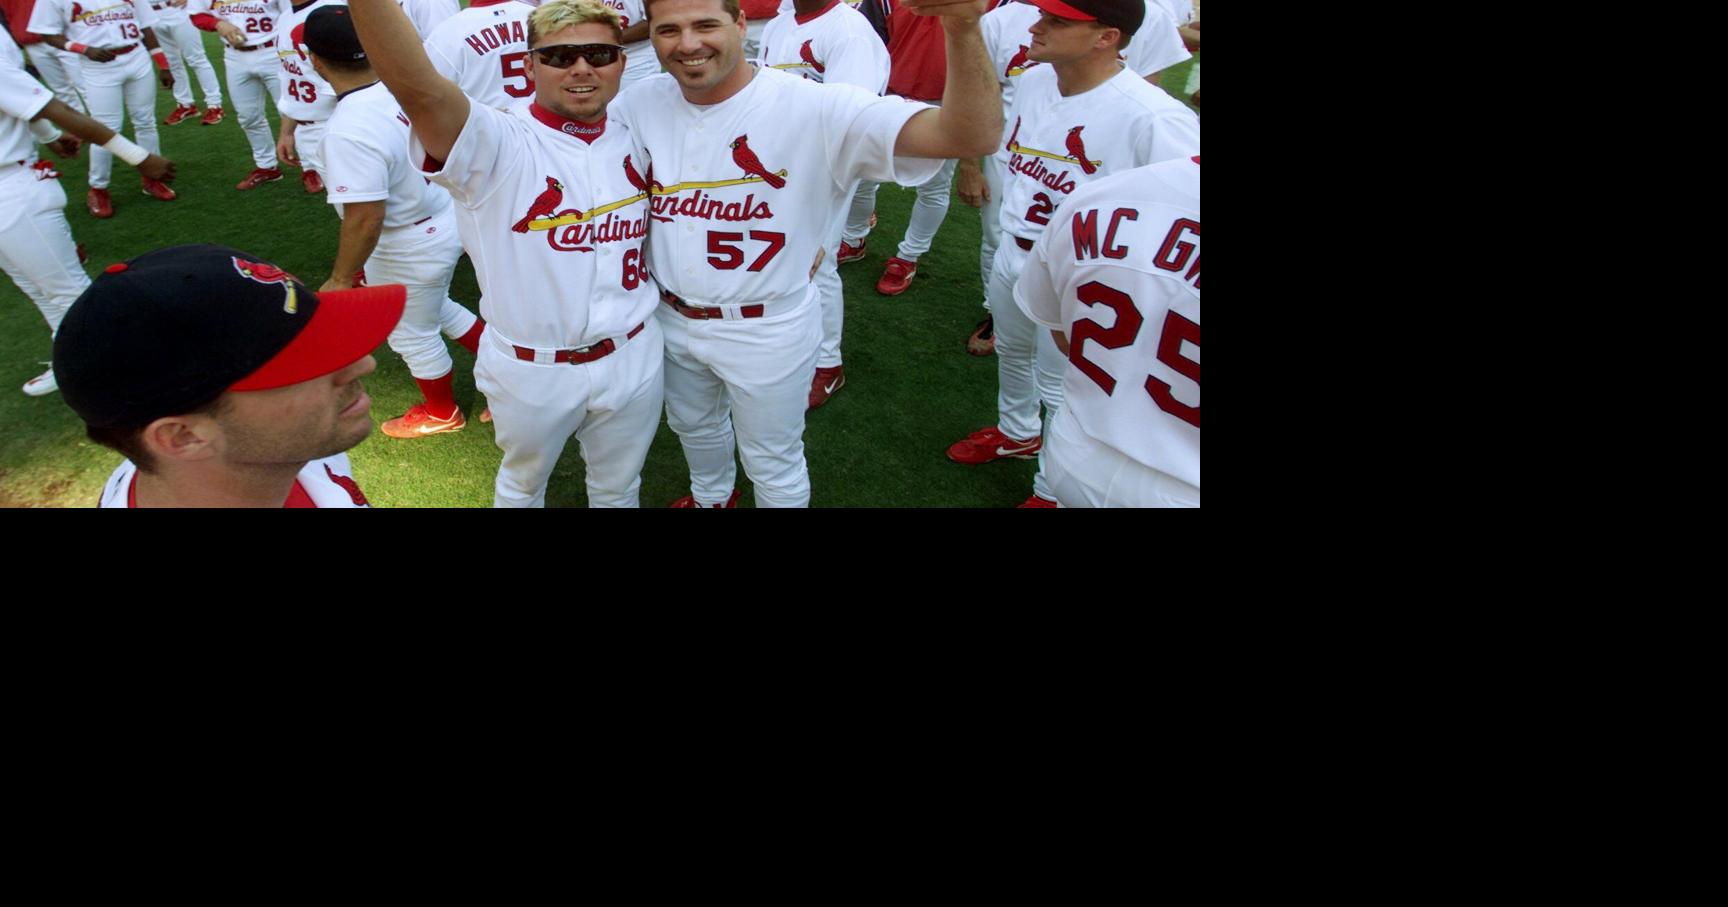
[(1023, 243), (251, 46), (704, 312), (586, 354)]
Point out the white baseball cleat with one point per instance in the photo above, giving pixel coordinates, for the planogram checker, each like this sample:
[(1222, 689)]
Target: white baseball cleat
[(42, 384)]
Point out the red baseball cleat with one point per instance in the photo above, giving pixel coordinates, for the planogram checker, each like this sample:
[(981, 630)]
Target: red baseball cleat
[(688, 502), (827, 381), (159, 189), (897, 277), (1036, 503), (258, 177), (310, 179), (212, 116), (418, 423), (99, 203), (849, 252), (990, 444), (181, 113)]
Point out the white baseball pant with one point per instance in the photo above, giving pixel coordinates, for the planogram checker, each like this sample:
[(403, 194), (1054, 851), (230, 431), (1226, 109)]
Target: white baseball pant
[(745, 380), (128, 79), (423, 257), (309, 145), (831, 294), (1085, 472), (991, 213), (59, 72), (1028, 365), (928, 212), (612, 406), (180, 41), (254, 75), (36, 246)]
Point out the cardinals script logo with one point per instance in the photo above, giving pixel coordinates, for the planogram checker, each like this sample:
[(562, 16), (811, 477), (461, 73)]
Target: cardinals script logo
[(1026, 159), (268, 274), (575, 230)]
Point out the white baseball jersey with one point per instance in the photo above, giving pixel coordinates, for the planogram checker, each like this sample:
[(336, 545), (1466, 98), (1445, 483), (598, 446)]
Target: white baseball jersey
[(323, 483), (553, 224), (639, 59), (1057, 144), (484, 50), (366, 159), (835, 45), (103, 23), (21, 99), (428, 14), (1157, 45), (256, 19), (1119, 273), (305, 95), (751, 184), (1181, 11), (168, 12)]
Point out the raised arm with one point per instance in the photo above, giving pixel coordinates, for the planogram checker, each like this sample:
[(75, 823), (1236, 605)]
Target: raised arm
[(437, 108), (153, 166), (969, 122)]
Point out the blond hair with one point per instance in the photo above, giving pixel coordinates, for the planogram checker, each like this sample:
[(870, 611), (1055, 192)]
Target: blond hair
[(557, 15)]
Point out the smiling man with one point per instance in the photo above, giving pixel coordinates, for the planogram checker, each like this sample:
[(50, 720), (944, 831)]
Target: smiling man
[(552, 206), (225, 381), (752, 165)]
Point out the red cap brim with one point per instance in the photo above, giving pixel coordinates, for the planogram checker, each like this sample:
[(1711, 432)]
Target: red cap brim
[(1058, 8), (347, 325)]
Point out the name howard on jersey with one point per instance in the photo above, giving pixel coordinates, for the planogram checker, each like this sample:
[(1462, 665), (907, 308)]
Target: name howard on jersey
[(493, 37)]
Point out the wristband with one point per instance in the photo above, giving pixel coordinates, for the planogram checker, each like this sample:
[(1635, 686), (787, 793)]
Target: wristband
[(45, 131), (75, 47), (125, 150), (160, 58)]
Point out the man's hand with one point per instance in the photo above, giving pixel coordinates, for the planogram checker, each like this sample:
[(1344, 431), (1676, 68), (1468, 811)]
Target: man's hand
[(336, 283), (285, 142), (157, 167), (66, 145), (230, 33), (973, 190), (99, 54), (165, 78), (960, 11)]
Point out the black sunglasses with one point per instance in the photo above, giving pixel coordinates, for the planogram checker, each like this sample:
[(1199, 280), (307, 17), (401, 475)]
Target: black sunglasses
[(563, 56)]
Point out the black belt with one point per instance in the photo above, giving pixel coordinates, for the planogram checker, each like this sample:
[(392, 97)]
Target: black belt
[(251, 46)]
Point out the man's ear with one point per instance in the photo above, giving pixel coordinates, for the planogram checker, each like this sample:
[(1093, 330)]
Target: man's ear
[(182, 439)]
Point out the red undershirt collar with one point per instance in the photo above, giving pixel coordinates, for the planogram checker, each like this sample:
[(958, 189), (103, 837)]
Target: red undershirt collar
[(801, 19), (587, 132), (297, 497)]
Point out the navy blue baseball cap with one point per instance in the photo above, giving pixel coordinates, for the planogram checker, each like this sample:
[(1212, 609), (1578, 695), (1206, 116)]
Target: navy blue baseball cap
[(173, 329), (1126, 15)]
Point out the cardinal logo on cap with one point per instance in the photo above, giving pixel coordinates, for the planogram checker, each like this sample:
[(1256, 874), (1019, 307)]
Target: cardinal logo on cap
[(267, 274)]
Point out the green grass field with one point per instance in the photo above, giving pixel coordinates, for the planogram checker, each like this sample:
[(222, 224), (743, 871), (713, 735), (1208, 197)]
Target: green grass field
[(911, 389)]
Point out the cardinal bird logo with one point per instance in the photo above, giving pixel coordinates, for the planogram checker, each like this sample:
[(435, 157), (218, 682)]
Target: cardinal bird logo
[(77, 12), (1009, 146), (268, 273), (809, 56), (298, 36), (1017, 64), (544, 205), (746, 159), (634, 177), (1077, 148), (348, 485)]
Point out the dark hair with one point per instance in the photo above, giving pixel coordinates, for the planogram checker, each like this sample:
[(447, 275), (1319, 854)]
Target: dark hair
[(347, 66), (730, 6), (129, 440)]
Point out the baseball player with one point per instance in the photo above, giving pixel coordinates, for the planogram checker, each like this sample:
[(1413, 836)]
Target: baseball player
[(36, 247), (552, 201), (185, 49), (115, 76), (306, 100), (56, 68), (400, 227), (224, 380), (751, 167), (832, 43), (1078, 119), (427, 15), (980, 183), (1117, 276), (248, 30), (484, 50)]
